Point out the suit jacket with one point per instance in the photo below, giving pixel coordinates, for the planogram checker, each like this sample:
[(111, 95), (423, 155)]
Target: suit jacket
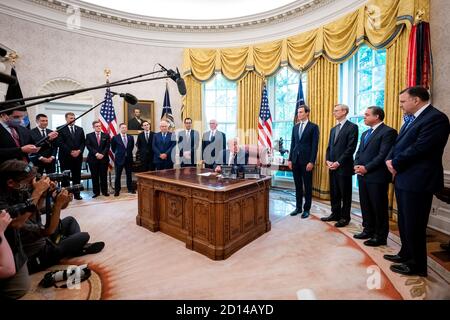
[(163, 146), (48, 150), (145, 148), (304, 150), (214, 147), (372, 154), (66, 142), (417, 152), (194, 140), (133, 124), (122, 154), (94, 148), (8, 148), (343, 149)]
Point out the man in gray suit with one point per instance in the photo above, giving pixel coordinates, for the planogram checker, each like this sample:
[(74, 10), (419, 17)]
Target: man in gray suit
[(188, 142), (213, 142)]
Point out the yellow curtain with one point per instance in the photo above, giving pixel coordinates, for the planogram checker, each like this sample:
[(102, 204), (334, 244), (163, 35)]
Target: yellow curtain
[(378, 23), (249, 101), (192, 102), (322, 96)]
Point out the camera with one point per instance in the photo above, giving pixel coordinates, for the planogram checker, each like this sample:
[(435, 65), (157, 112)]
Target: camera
[(20, 208), (60, 177), (76, 188)]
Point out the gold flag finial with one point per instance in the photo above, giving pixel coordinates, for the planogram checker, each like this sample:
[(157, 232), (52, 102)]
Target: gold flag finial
[(107, 72), (419, 16), (13, 56)]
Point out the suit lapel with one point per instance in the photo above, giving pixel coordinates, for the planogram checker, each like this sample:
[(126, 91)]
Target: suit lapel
[(415, 122), (374, 134)]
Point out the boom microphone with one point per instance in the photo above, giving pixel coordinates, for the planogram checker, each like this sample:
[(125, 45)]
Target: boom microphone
[(175, 76), (128, 97), (5, 78), (3, 52)]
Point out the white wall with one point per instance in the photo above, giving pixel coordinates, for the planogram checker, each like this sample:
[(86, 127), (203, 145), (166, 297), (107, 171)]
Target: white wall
[(46, 53)]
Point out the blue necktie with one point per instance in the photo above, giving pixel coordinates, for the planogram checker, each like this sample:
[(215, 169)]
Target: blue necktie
[(366, 138), (408, 118)]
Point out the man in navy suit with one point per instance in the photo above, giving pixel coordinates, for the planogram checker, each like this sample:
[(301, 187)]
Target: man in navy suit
[(302, 157), (415, 162), (98, 144), (188, 142), (163, 144), (144, 145), (71, 144), (45, 159), (373, 177), (122, 145), (339, 159)]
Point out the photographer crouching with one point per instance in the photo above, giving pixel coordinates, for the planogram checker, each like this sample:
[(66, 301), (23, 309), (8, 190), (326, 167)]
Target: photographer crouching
[(41, 246)]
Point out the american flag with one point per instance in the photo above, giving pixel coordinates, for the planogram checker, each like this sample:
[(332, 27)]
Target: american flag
[(109, 121), (265, 122), (167, 110)]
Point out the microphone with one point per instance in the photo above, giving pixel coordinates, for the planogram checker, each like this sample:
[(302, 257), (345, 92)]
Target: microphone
[(128, 97), (3, 52), (175, 76), (5, 78)]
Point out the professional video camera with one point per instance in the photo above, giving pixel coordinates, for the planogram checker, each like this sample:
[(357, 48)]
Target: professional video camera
[(18, 209)]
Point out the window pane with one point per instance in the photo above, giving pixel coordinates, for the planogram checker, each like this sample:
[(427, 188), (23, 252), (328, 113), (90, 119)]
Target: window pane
[(379, 74), (365, 57), (365, 80)]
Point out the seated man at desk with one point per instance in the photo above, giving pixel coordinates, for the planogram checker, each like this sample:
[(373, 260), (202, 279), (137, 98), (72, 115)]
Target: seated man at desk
[(234, 155)]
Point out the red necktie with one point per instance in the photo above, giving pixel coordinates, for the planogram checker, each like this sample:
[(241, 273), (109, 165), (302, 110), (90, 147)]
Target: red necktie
[(98, 139), (15, 136)]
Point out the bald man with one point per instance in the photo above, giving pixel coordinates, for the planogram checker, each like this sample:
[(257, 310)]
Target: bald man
[(163, 144), (213, 144)]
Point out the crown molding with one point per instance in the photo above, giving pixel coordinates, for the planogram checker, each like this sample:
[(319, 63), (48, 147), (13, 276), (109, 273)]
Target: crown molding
[(299, 16)]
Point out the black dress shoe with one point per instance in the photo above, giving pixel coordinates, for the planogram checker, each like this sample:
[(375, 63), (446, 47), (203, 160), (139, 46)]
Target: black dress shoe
[(363, 235), (78, 197), (295, 212), (116, 194), (408, 270), (331, 217), (106, 194), (305, 214), (341, 223), (374, 242), (95, 196), (394, 258), (132, 192)]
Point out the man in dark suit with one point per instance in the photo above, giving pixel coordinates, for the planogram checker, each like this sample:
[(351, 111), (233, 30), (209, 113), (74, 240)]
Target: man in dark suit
[(374, 178), (144, 146), (235, 155), (122, 145), (188, 142), (45, 159), (136, 122), (15, 140), (213, 142), (302, 157), (163, 145), (339, 159), (415, 162), (71, 145), (98, 144)]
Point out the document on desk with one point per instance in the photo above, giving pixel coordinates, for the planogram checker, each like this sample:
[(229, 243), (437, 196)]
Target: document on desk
[(206, 174)]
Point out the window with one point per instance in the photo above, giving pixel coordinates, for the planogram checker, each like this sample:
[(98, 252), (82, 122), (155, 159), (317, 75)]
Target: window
[(220, 103), (362, 80)]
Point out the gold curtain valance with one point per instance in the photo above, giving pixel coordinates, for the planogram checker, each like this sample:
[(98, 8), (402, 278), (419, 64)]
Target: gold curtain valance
[(378, 23)]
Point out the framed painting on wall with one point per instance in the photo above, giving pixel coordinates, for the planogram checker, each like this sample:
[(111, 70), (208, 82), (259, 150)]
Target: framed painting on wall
[(134, 115)]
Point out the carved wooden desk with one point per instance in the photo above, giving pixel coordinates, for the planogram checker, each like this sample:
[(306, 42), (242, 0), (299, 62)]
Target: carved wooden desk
[(215, 217)]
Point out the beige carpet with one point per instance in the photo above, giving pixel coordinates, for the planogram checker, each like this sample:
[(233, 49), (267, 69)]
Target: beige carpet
[(297, 259)]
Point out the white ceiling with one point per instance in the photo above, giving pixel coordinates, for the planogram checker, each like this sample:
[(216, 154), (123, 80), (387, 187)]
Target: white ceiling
[(193, 9)]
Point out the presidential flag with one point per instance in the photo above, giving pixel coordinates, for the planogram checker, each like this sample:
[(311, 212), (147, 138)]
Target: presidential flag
[(264, 123), (300, 99), (167, 110), (109, 121)]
